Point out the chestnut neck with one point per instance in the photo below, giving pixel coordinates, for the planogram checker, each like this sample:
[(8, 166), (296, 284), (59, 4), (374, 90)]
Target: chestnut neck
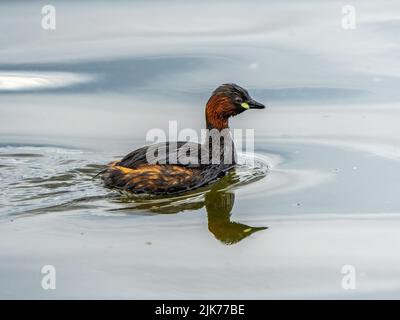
[(218, 109), (217, 112)]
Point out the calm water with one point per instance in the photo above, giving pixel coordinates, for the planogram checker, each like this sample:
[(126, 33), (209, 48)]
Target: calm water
[(323, 190)]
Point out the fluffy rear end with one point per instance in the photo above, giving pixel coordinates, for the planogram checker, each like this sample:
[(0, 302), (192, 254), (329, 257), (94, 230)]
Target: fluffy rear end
[(155, 179)]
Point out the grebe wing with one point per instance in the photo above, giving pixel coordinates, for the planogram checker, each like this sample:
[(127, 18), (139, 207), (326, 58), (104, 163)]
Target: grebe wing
[(164, 153)]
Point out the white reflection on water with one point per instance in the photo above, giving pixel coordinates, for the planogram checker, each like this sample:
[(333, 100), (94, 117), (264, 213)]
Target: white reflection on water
[(15, 81)]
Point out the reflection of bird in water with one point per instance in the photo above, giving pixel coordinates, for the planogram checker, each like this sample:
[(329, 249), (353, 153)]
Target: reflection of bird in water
[(219, 206), (218, 202)]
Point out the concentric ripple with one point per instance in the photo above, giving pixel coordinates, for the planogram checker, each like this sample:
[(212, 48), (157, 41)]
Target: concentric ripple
[(38, 180), (35, 179)]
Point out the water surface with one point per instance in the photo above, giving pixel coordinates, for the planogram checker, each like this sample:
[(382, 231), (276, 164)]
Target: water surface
[(322, 193)]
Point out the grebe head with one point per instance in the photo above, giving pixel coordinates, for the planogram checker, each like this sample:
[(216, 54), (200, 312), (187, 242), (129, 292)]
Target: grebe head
[(226, 101)]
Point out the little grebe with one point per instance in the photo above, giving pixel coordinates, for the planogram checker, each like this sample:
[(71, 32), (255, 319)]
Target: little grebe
[(174, 171)]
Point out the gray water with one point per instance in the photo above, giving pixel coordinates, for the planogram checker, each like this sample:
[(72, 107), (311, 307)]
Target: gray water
[(322, 193)]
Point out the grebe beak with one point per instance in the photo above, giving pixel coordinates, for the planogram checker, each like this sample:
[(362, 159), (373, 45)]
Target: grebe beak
[(253, 104)]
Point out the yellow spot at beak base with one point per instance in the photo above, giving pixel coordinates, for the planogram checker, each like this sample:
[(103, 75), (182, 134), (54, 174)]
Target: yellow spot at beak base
[(245, 105)]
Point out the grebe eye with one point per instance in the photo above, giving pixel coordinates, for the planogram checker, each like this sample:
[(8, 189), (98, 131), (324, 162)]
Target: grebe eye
[(238, 100)]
